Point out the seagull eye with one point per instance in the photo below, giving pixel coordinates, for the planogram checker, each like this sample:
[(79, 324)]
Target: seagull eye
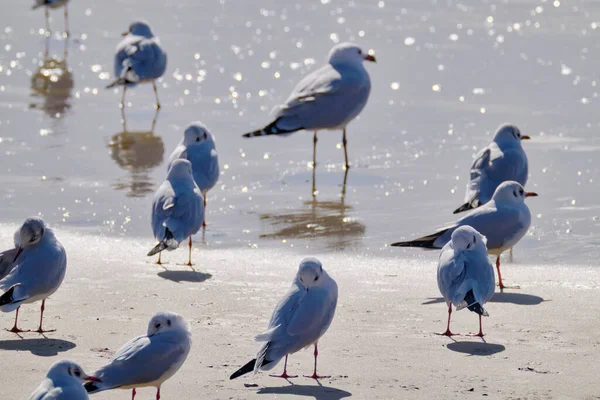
[(469, 246), (77, 373), (157, 326), (359, 51), (197, 139), (521, 192), (205, 135), (515, 193), (316, 278), (33, 239)]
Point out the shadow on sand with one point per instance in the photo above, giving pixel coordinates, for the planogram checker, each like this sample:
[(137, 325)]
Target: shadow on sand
[(39, 347), (520, 299), (317, 392), (476, 348), (184, 276)]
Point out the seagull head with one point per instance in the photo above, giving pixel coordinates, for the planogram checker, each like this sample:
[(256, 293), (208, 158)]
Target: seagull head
[(167, 321), (349, 54), (139, 28), (180, 169), (509, 135), (30, 234), (511, 192), (310, 273), (197, 133), (65, 369), (467, 238)]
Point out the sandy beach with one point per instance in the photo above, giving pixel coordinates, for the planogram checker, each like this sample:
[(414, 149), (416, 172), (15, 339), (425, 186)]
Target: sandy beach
[(382, 344)]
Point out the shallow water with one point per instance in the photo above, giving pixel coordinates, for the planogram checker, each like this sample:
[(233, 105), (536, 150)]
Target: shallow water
[(447, 75)]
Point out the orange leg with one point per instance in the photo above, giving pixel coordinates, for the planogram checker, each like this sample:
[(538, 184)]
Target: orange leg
[(14, 328), (133, 394), (189, 264), (284, 375), (204, 220), (40, 330), (448, 332), (500, 283), (314, 375)]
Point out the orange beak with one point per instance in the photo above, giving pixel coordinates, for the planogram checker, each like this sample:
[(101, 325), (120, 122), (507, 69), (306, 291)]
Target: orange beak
[(19, 251), (370, 57), (531, 194), (525, 137), (92, 379)]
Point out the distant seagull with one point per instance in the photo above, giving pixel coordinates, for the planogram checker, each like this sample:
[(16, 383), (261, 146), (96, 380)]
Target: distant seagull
[(47, 4), (64, 381), (40, 264), (326, 99), (465, 275), (302, 316), (198, 147), (502, 160), (504, 220), (147, 360), (6, 261), (178, 209), (139, 59)]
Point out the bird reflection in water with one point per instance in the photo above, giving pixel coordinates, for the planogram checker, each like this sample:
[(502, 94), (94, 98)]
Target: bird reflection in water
[(137, 152), (52, 83), (316, 219)]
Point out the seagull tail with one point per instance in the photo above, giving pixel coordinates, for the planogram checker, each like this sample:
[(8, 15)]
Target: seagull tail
[(464, 207), (163, 244), (249, 367), (426, 242), (94, 387), (271, 129), (118, 82), (8, 297), (473, 305)]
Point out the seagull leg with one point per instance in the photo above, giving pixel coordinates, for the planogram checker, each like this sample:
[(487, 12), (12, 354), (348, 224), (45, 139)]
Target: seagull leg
[(47, 22), (345, 143), (204, 220), (123, 100), (156, 94), (480, 334), (448, 332), (284, 375), (158, 393), (500, 283), (40, 330), (314, 375), (189, 264), (158, 262), (133, 394), (14, 328), (67, 20), (314, 172)]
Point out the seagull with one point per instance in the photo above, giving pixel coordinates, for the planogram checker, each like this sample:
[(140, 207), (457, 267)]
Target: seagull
[(139, 59), (6, 261), (328, 98), (300, 319), (147, 360), (177, 211), (198, 147), (40, 263), (502, 160), (47, 4), (503, 220), (465, 275), (63, 382)]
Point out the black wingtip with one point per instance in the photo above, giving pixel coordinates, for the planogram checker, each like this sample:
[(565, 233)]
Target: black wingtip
[(475, 307), (271, 129), (464, 207), (249, 367), (247, 135), (90, 387), (7, 297), (425, 242)]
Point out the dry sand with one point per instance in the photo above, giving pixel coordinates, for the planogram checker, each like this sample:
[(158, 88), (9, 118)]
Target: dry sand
[(541, 341)]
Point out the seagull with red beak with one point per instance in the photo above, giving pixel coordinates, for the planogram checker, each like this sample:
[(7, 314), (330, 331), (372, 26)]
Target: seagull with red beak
[(64, 381), (37, 271), (328, 98), (503, 220)]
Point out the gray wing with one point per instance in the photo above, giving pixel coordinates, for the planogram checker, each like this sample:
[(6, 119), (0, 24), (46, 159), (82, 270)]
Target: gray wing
[(510, 165), (139, 59), (451, 273), (326, 98), (6, 262), (188, 213), (478, 168), (162, 208), (205, 166), (481, 274)]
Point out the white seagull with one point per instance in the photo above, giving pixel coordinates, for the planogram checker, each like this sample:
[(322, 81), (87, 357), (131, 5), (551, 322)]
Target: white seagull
[(139, 59), (328, 98), (504, 220), (64, 381), (148, 360), (178, 209), (47, 4), (502, 160), (465, 275), (39, 268), (302, 316), (198, 147)]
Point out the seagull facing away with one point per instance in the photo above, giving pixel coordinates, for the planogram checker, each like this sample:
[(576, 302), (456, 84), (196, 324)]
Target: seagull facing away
[(139, 59), (302, 316), (326, 99), (198, 147), (504, 220), (40, 263), (147, 360), (64, 381), (178, 209), (47, 4), (465, 275), (502, 160)]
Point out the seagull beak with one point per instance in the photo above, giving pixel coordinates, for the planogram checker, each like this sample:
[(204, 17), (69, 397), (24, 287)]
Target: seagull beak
[(124, 33), (370, 57), (525, 137), (91, 379), (531, 194), (19, 251)]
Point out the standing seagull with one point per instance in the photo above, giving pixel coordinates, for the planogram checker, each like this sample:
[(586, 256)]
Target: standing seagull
[(139, 59), (47, 4), (64, 381), (178, 210), (465, 275), (504, 220), (328, 98), (302, 316), (39, 268), (502, 160), (147, 360), (198, 147)]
